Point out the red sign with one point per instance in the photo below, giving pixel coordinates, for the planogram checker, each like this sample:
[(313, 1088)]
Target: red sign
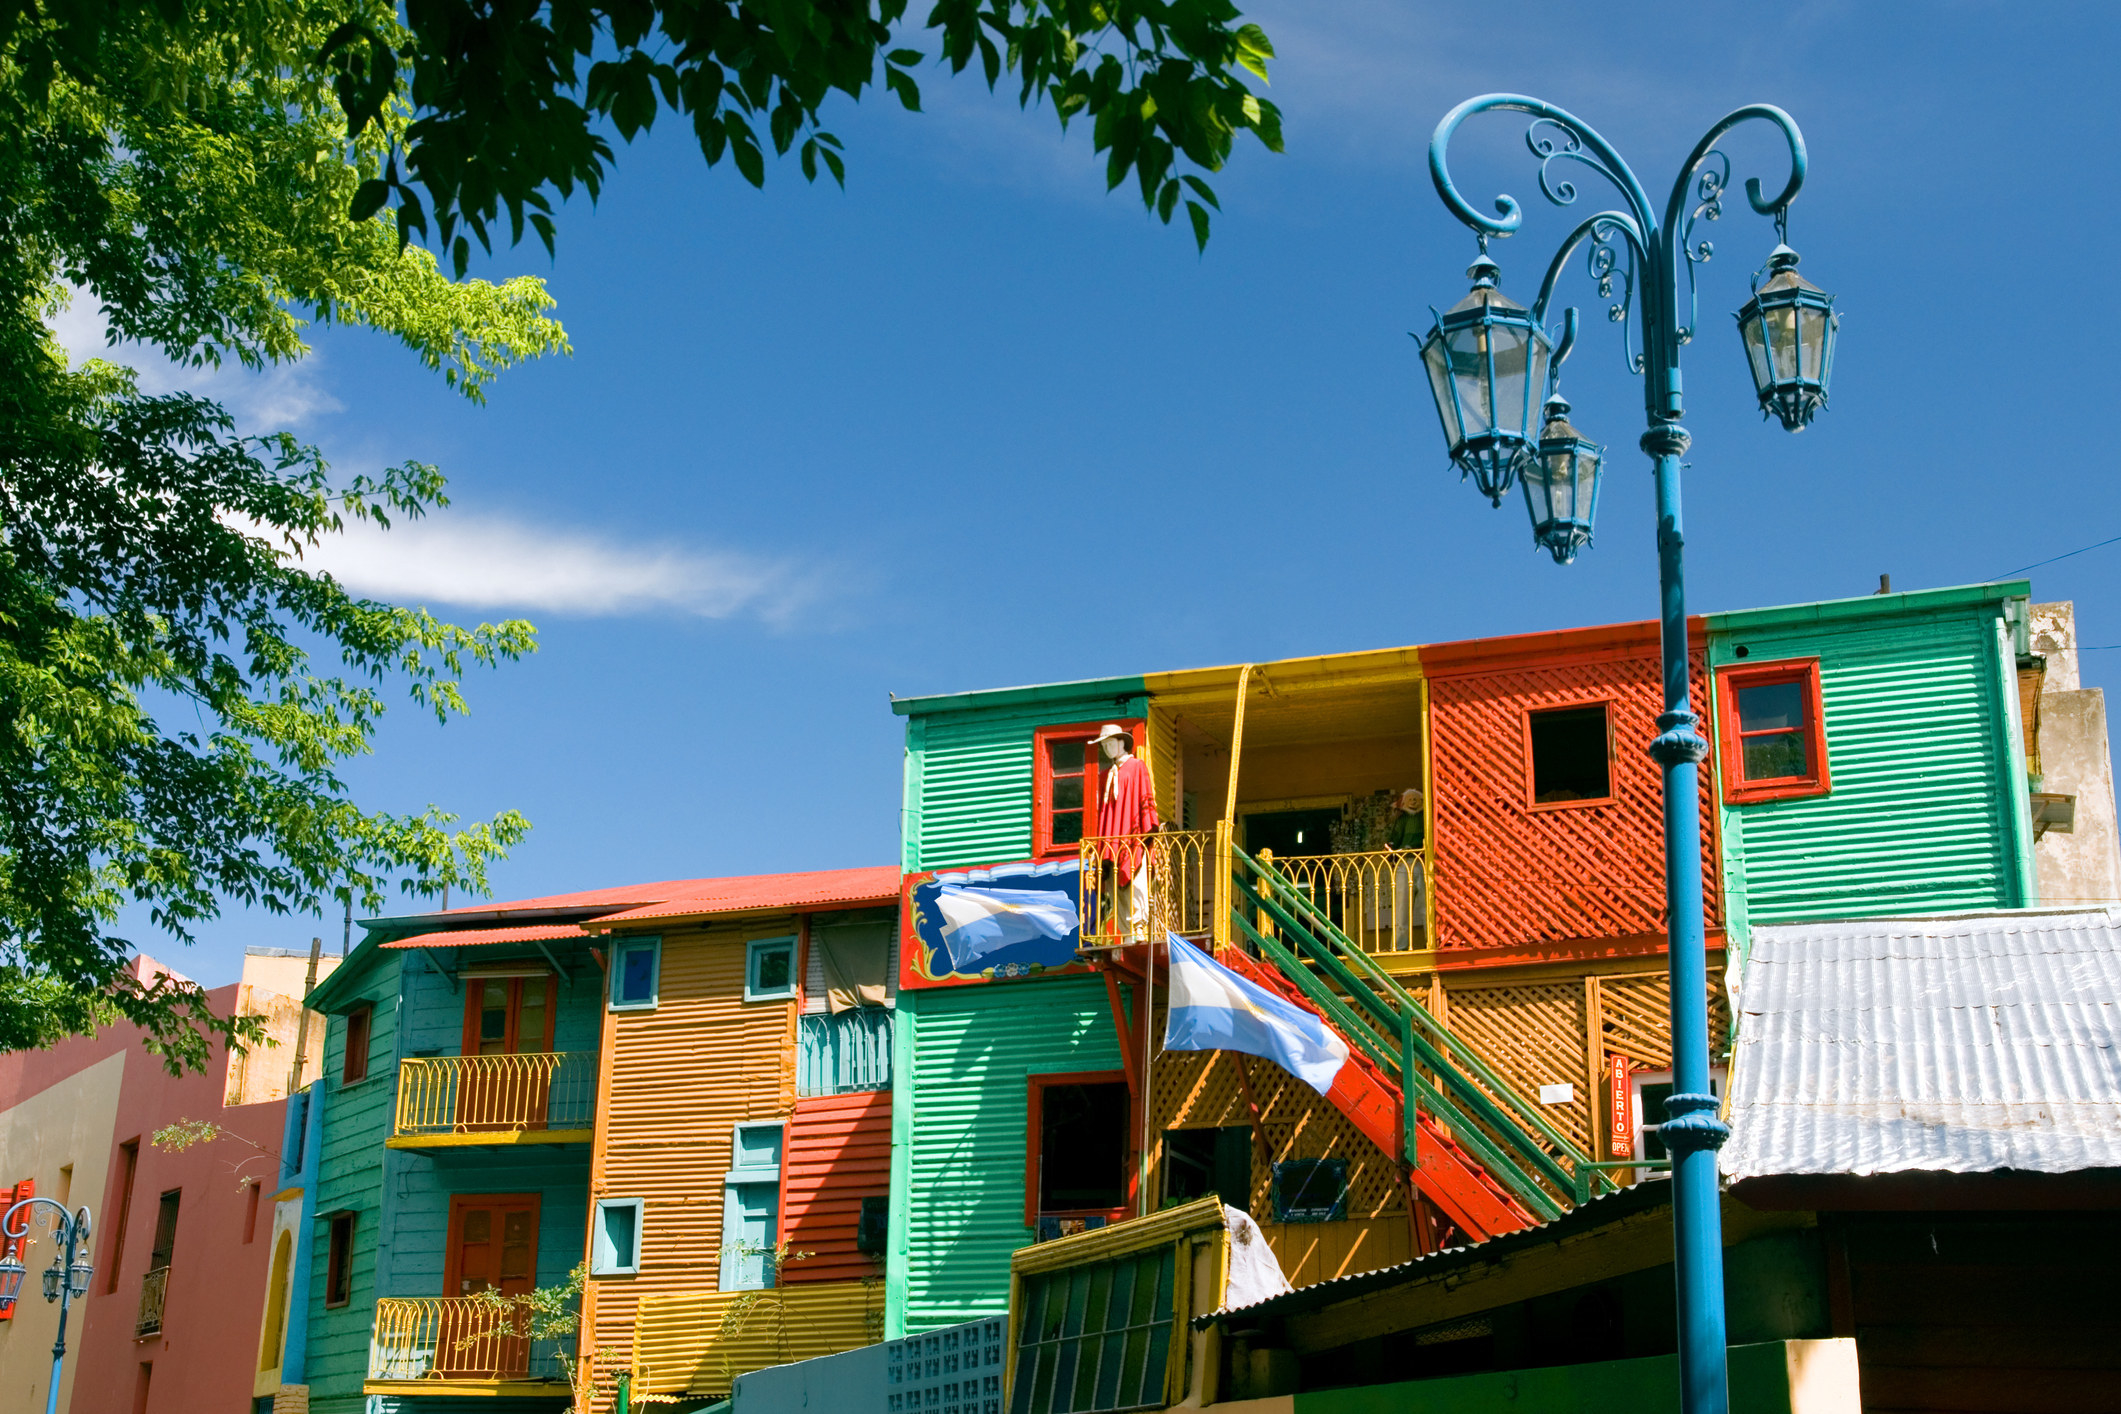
[(1620, 1109)]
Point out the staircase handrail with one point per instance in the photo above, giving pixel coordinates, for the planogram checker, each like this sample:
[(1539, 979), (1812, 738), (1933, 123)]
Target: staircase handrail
[(1457, 1063)]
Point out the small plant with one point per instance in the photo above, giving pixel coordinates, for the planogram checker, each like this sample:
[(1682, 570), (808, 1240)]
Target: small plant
[(190, 1133), (547, 1313)]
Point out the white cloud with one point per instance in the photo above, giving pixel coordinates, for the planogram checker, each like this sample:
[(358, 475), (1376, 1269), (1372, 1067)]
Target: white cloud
[(280, 398), (496, 564)]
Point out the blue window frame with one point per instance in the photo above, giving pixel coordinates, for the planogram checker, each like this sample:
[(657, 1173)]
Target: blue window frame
[(636, 973), (751, 1208), (769, 969), (615, 1237)]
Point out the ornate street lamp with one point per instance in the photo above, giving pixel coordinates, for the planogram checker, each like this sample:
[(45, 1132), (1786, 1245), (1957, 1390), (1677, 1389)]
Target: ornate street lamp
[(1788, 330), (1561, 484), (1788, 327), (66, 1278), (1487, 362)]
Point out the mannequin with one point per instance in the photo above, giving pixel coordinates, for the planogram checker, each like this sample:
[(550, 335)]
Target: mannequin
[(1126, 805)]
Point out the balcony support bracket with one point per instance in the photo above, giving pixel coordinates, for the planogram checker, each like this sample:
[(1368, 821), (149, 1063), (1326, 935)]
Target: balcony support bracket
[(455, 982), (566, 978)]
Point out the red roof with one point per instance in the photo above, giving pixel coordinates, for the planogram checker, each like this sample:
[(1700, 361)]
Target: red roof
[(674, 898), (476, 937)]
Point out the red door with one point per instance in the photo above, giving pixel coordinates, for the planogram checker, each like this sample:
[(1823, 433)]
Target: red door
[(505, 1018), (493, 1246)]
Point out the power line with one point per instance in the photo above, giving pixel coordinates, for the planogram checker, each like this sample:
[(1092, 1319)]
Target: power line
[(2037, 563)]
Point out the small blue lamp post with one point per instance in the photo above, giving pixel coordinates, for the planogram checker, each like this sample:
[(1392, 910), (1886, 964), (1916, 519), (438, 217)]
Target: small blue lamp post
[(66, 1278), (1485, 360)]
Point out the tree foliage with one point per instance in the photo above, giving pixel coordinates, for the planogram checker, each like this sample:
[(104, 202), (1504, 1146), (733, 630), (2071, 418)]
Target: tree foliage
[(177, 692)]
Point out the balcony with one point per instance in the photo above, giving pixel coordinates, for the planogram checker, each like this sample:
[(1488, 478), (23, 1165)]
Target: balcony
[(154, 1291), (460, 1345), (542, 1097), (1377, 897)]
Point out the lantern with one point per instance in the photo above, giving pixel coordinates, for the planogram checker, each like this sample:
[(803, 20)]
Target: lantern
[(1487, 362), (53, 1275), (11, 1273), (1561, 484), (1788, 327), (78, 1276)]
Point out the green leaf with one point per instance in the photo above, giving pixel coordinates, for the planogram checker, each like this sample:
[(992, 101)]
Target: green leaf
[(368, 199), (1204, 191), (1199, 214)]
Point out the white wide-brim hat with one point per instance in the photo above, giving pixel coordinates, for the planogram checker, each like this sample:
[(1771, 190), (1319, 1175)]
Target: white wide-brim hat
[(1110, 730)]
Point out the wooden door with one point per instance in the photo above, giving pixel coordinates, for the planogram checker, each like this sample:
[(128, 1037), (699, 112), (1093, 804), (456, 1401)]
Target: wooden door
[(493, 1246), (506, 1017)]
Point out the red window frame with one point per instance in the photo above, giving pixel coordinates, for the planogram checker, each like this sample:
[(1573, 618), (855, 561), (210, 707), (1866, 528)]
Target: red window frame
[(1612, 765), (1035, 1109), (513, 1041), (1042, 845), (15, 1193), (1737, 790), (360, 1026)]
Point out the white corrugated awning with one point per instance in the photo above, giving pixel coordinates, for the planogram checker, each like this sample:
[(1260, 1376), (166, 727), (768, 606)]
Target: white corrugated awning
[(1962, 1044)]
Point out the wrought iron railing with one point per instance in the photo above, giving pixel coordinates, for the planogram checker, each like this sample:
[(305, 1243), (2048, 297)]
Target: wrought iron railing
[(1176, 891), (440, 1095), (457, 1338), (1379, 897), (843, 1053), (154, 1292)]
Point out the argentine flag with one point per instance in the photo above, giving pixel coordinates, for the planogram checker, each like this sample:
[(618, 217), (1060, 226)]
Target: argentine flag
[(1214, 1009), (979, 921)]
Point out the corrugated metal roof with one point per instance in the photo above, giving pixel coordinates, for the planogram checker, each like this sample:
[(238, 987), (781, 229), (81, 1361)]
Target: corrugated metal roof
[(479, 937), (708, 897), (1957, 1044)]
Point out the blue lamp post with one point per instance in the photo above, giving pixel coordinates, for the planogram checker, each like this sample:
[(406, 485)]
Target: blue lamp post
[(66, 1278), (1788, 330)]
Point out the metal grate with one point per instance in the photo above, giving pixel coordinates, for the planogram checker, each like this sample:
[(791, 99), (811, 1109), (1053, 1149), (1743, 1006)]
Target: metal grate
[(956, 1370)]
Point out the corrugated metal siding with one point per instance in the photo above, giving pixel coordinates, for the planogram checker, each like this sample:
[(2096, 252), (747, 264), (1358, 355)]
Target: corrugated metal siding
[(837, 1152), (838, 1055), (684, 1348), (677, 1080), (1916, 821), (973, 1051), (970, 797)]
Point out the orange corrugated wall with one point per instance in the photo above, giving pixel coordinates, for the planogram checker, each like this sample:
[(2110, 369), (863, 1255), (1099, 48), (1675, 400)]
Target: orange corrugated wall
[(1506, 875), (837, 1152)]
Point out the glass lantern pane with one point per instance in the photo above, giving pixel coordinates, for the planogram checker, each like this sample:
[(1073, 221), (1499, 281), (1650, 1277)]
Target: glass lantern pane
[(1535, 386), (1586, 485), (1432, 354), (1538, 489), (1781, 321), (1756, 351), (1811, 345), (1514, 388), (1469, 373)]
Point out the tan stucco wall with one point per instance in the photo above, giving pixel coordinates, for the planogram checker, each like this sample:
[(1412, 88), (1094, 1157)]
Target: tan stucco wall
[(73, 1122), (2083, 866)]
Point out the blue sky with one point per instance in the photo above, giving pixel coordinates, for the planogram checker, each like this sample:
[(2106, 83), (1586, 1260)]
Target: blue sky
[(974, 422)]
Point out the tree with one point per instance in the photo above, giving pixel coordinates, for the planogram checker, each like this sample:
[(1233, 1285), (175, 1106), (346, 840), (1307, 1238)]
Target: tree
[(176, 691)]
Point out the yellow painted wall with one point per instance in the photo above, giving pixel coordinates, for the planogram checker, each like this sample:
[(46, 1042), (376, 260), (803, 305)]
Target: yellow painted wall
[(698, 1342), (676, 1081), (73, 1122)]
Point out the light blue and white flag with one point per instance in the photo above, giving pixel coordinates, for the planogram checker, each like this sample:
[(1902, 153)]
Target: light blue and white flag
[(979, 921), (1214, 1009)]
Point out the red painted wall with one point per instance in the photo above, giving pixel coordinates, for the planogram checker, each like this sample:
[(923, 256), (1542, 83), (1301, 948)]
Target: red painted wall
[(1559, 880), (205, 1356), (837, 1152)]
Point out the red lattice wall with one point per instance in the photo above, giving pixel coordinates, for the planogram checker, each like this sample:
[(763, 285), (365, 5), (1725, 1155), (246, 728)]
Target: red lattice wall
[(1508, 875)]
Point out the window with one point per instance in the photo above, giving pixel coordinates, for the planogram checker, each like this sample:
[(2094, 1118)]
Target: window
[(1650, 1088), (1078, 1146), (843, 1054), (250, 1211), (1096, 1337), (1064, 785), (1571, 750), (1203, 1162), (1311, 1191), (636, 966), (751, 1208), (165, 1230), (769, 969), (359, 1022), (338, 1265), (872, 1233), (10, 1196), (493, 1244), (128, 1168), (506, 1016), (1773, 731), (615, 1248)]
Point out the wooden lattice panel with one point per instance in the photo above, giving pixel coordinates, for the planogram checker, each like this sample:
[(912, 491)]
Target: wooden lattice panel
[(1532, 1034), (1635, 1018), (1506, 874)]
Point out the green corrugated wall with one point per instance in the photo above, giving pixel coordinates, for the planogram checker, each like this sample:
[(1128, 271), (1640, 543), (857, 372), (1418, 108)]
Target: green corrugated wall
[(960, 1206), (1921, 748), (968, 775)]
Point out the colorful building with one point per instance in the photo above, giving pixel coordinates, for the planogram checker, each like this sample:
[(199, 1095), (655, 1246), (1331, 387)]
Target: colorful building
[(181, 1232), (1452, 852)]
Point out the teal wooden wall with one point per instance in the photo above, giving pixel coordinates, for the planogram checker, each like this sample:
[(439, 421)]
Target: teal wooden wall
[(968, 768), (1928, 775), (356, 1121), (958, 1157)]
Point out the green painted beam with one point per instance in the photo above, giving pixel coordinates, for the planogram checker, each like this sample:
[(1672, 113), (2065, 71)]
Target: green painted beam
[(988, 699), (1914, 601)]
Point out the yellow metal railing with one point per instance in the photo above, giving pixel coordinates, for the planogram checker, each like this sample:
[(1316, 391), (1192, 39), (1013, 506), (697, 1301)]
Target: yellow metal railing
[(1379, 897), (1137, 887), (496, 1094), (456, 1338), (154, 1291)]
